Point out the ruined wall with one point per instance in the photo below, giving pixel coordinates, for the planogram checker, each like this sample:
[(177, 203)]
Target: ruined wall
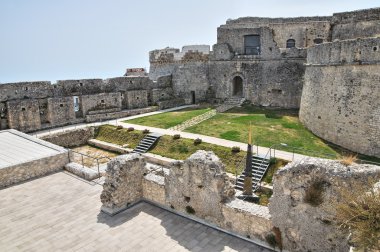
[(303, 195), (60, 110), (341, 96), (71, 138), (136, 99), (101, 102), (24, 115), (356, 24), (25, 90), (123, 182), (274, 32), (199, 186)]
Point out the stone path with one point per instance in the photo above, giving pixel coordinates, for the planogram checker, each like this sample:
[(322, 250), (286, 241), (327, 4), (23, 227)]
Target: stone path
[(194, 121), (60, 212), (231, 103)]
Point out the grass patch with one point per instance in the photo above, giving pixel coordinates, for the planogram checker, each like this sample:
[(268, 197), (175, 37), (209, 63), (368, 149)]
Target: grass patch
[(269, 127), (111, 134), (275, 165), (182, 148), (169, 119), (166, 146), (264, 195)]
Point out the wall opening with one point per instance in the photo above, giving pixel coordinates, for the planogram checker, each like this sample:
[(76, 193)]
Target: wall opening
[(237, 86), (290, 43), (252, 44), (192, 97)]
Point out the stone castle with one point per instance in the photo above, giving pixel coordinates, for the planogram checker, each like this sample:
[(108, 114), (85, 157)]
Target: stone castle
[(328, 67)]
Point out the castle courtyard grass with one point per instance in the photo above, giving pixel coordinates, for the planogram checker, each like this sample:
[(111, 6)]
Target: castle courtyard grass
[(169, 119), (269, 127)]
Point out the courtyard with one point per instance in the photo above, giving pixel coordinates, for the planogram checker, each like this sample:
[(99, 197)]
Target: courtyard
[(61, 212)]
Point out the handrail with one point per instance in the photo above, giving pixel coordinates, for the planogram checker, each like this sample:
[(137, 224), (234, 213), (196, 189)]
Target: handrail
[(95, 158)]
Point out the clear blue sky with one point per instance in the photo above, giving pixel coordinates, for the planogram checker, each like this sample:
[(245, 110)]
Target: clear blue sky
[(70, 39)]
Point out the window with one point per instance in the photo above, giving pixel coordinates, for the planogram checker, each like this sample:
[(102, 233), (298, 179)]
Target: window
[(252, 44), (23, 109), (290, 43), (318, 41), (102, 101), (61, 105), (26, 88)]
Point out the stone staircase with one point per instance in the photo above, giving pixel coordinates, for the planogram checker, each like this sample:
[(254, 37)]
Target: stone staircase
[(147, 142), (229, 104), (259, 167)]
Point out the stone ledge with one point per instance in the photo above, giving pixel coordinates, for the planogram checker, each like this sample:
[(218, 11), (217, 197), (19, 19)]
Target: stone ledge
[(82, 171)]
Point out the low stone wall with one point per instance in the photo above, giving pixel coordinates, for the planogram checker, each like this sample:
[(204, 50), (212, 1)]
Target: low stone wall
[(248, 219), (154, 188), (82, 171), (197, 188), (171, 103), (121, 114), (109, 146), (22, 172), (71, 138)]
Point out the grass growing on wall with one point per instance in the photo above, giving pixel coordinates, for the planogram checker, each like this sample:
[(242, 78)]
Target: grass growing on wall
[(169, 119)]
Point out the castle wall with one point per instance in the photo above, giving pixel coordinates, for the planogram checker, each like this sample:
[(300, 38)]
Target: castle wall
[(341, 95), (25, 90), (260, 85), (356, 24), (137, 99), (101, 102), (24, 115), (61, 110)]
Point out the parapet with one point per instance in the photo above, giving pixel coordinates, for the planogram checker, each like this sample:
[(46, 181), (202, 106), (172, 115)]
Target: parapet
[(188, 53)]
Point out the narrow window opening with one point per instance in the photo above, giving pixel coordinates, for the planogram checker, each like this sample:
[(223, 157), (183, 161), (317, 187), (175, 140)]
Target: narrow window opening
[(23, 109), (61, 105), (290, 43)]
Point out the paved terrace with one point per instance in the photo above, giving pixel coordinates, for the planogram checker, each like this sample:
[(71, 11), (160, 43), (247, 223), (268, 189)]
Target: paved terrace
[(60, 212), (213, 140)]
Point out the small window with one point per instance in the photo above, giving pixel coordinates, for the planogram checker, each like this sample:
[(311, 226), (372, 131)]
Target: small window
[(102, 101), (137, 98), (23, 109), (61, 105), (290, 43), (26, 88), (318, 41), (252, 44), (81, 84), (374, 48)]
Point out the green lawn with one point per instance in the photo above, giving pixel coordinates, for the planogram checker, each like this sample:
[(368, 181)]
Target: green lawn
[(168, 119), (269, 127)]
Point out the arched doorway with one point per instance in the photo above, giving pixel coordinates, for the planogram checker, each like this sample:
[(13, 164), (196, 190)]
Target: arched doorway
[(237, 86)]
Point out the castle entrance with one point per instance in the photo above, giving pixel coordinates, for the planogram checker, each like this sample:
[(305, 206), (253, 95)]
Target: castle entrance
[(237, 86)]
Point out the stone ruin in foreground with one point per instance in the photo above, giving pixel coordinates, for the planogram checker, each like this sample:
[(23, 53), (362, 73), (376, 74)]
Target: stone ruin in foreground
[(200, 189)]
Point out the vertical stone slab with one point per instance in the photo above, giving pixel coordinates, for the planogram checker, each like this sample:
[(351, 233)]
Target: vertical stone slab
[(199, 186), (123, 183)]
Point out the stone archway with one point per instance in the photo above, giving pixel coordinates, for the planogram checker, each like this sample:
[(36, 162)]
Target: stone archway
[(237, 86)]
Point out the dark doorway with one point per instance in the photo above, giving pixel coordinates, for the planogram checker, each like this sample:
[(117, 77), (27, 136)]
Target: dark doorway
[(192, 97), (237, 86)]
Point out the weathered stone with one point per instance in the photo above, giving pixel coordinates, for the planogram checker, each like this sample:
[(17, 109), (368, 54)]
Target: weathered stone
[(123, 183), (82, 171), (199, 186), (302, 196)]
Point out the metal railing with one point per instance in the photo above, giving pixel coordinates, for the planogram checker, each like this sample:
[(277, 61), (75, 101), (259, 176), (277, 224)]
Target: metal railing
[(87, 160)]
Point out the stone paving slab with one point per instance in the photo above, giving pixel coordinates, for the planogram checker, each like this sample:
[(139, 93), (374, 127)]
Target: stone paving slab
[(61, 212)]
